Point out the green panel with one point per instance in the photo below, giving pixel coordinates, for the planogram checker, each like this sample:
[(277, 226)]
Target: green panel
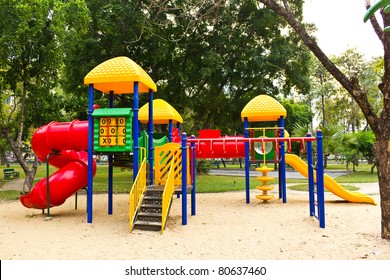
[(161, 141), (113, 112), (144, 141), (269, 133), (108, 131)]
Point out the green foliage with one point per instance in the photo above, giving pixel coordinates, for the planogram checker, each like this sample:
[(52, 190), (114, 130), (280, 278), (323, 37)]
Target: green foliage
[(365, 143), (203, 167), (225, 54), (298, 114), (333, 103)]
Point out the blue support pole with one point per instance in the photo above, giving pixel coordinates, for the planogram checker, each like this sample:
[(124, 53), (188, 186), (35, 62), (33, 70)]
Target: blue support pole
[(151, 142), (135, 131), (309, 147), (184, 178), (320, 180), (193, 174), (90, 153), (170, 130), (282, 165), (110, 167), (246, 145), (280, 176)]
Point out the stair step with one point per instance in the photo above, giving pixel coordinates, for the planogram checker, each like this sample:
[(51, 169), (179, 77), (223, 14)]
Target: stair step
[(153, 192), (151, 208), (155, 200), (150, 217), (151, 226)]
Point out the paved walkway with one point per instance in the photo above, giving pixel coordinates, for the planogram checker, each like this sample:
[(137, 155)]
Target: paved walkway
[(15, 184)]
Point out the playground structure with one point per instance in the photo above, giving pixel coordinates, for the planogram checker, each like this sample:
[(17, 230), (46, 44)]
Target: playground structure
[(161, 167)]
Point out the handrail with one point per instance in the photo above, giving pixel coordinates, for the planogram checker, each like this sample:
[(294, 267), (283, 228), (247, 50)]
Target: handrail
[(169, 189), (137, 191)]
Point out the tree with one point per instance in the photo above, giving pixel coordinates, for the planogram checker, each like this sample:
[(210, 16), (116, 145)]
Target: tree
[(198, 52), (322, 86), (297, 114), (378, 122), (32, 42), (366, 140)]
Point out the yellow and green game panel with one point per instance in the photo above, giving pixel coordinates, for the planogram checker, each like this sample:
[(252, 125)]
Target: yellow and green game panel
[(113, 130)]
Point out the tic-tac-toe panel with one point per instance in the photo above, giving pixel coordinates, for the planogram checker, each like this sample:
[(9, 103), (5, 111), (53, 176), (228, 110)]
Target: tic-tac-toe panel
[(113, 130)]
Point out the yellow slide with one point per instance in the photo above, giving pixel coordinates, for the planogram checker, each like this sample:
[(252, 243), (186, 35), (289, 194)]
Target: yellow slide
[(331, 185)]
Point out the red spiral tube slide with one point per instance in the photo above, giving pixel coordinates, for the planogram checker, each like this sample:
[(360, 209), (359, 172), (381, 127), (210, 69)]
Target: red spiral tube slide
[(66, 143)]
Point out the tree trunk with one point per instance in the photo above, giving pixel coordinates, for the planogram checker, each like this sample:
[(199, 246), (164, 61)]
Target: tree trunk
[(29, 176), (4, 160), (382, 152), (28, 171)]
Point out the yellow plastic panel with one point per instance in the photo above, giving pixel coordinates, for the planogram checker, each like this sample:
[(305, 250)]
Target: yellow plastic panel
[(263, 108), (162, 113), (118, 75)]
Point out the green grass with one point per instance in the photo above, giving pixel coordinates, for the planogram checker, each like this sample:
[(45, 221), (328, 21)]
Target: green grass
[(358, 177), (9, 195), (213, 184)]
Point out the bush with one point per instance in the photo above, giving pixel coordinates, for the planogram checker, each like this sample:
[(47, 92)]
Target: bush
[(203, 166)]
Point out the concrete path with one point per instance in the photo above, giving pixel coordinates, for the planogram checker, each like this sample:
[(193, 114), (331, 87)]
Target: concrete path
[(15, 184)]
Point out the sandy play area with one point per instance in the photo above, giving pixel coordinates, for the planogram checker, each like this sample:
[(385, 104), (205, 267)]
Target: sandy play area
[(224, 228)]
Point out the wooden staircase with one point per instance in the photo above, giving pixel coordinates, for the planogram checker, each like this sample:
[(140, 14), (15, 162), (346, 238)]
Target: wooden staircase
[(150, 214)]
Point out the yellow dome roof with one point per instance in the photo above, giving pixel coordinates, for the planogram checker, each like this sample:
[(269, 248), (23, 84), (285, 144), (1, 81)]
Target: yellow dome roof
[(162, 113), (118, 75), (263, 108)]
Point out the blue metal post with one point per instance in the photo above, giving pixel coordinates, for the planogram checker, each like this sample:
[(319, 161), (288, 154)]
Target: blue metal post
[(279, 176), (246, 145), (135, 131), (90, 153), (151, 142), (309, 147), (282, 165), (193, 175), (184, 178), (170, 130), (320, 180), (110, 166)]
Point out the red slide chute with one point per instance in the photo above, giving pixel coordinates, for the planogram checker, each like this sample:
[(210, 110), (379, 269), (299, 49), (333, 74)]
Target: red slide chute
[(66, 143)]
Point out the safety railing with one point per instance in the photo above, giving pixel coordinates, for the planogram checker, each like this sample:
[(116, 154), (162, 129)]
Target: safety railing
[(169, 189), (137, 191), (164, 156)]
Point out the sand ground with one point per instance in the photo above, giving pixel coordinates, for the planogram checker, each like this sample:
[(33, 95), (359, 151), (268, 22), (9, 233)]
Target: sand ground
[(225, 227)]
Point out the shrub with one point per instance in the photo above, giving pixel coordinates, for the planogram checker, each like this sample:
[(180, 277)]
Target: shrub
[(203, 166)]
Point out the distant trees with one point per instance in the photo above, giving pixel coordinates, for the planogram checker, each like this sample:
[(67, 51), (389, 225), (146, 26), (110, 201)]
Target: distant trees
[(33, 36), (208, 58)]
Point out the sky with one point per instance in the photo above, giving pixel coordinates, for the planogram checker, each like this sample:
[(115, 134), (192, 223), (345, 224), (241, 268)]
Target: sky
[(340, 26)]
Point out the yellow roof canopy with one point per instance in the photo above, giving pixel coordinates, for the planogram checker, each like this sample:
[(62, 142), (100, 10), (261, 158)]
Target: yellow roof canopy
[(162, 113), (118, 75), (263, 108)]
